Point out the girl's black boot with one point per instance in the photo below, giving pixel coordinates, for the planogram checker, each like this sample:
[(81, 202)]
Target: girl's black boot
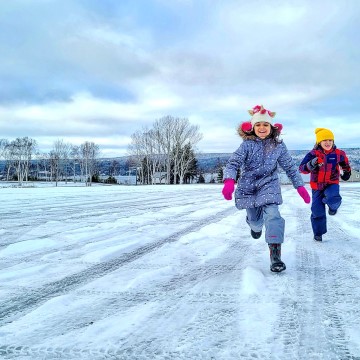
[(276, 265)]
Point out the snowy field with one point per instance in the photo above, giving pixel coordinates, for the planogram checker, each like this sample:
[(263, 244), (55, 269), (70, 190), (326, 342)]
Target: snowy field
[(171, 272)]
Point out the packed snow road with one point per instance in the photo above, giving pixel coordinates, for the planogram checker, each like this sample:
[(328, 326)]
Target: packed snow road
[(171, 272)]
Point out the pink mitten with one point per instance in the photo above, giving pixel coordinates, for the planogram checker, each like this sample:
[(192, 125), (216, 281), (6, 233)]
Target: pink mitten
[(304, 194), (228, 189)]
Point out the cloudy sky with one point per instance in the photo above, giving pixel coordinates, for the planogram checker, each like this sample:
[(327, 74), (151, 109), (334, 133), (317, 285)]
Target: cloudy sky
[(101, 70)]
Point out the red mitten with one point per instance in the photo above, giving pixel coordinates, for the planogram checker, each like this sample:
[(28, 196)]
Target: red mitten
[(320, 161), (228, 189), (304, 194)]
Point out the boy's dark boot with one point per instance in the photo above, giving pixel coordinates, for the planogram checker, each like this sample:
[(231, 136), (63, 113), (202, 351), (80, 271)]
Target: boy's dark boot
[(318, 238), (276, 265), (256, 234)]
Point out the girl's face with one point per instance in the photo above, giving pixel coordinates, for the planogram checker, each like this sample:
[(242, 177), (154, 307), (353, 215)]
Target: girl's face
[(262, 129), (327, 144)]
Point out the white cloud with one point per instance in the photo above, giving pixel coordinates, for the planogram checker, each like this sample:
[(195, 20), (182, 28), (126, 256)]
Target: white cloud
[(102, 71)]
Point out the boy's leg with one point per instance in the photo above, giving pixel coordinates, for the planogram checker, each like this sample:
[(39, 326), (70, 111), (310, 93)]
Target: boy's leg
[(332, 197), (274, 224), (318, 214)]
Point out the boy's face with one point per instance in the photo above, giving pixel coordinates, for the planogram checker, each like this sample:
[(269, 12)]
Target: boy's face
[(327, 144), (262, 129)]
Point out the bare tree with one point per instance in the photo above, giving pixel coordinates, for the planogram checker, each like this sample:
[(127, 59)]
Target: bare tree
[(3, 144), (146, 149), (19, 152), (137, 153), (165, 147), (114, 168), (185, 160), (59, 159), (75, 160), (89, 152), (165, 134), (3, 149), (186, 136), (44, 163)]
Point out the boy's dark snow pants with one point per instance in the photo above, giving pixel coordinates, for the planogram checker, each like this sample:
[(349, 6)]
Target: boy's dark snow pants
[(329, 196)]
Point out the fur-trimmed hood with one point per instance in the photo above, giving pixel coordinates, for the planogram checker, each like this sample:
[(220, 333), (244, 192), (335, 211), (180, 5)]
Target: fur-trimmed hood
[(246, 136)]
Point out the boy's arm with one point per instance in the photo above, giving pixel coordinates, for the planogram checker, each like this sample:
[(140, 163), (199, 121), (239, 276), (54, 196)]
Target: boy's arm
[(309, 163), (344, 162), (345, 166)]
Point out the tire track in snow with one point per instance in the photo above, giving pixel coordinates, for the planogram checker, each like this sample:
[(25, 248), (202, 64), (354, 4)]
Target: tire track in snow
[(345, 282), (216, 309), (31, 216), (14, 307), (311, 327), (36, 255)]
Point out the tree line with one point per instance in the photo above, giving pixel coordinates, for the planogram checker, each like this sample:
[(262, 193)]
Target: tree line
[(61, 162), (162, 153), (165, 152)]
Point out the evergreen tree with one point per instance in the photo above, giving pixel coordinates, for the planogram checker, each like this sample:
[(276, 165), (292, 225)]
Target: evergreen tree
[(220, 175), (145, 171), (192, 168)]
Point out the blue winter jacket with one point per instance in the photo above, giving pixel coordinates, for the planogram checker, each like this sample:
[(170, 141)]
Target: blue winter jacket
[(258, 162)]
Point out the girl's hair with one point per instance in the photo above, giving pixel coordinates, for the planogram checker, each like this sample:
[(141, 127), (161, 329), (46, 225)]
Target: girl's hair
[(318, 146), (274, 134)]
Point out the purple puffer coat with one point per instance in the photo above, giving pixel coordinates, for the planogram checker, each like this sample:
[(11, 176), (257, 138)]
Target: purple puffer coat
[(258, 162)]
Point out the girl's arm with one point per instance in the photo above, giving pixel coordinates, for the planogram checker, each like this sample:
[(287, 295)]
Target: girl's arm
[(235, 162)]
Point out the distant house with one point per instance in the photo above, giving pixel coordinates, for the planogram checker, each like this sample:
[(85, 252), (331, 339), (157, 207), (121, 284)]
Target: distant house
[(160, 177), (211, 177), (45, 175), (126, 179)]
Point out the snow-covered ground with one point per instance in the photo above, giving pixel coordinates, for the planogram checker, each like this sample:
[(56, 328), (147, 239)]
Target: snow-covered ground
[(171, 272)]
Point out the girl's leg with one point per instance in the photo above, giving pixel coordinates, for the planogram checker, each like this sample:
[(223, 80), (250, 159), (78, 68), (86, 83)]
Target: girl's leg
[(276, 264), (274, 224), (255, 218), (318, 214), (332, 197), (274, 236)]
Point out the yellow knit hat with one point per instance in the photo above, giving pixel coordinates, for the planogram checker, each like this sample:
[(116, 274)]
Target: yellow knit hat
[(323, 134)]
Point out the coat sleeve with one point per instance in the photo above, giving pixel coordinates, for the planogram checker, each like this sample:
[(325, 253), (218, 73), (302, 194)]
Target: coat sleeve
[(303, 165), (287, 163), (235, 162), (344, 162)]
